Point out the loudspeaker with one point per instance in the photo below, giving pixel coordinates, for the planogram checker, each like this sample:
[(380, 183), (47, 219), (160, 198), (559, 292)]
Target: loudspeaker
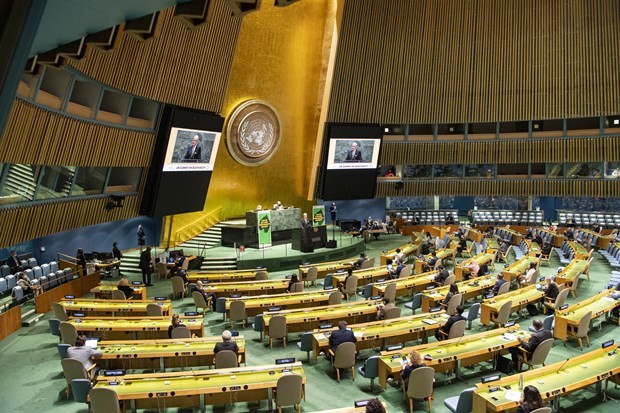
[(331, 244)]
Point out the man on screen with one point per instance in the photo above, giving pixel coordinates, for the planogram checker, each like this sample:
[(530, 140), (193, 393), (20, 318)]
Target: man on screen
[(354, 155), (193, 153)]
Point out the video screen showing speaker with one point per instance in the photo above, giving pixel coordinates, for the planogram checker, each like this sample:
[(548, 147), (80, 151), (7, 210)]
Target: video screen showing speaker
[(350, 161), (183, 160)]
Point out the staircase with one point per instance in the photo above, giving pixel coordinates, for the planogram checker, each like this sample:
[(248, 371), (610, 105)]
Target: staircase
[(129, 264), (20, 180), (219, 264), (210, 238)]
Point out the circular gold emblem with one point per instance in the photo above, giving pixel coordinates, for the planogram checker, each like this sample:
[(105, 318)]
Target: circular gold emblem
[(253, 133)]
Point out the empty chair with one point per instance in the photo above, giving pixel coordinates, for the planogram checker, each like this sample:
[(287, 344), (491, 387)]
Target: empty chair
[(62, 278), (181, 332), (305, 344), (504, 288), (573, 287), (258, 325), (262, 276), (68, 333), (327, 281), (54, 325), (344, 358), (420, 386), (3, 287), (392, 313), (36, 272), (366, 292), (11, 282), (539, 355), (237, 312), (178, 286), (350, 287), (59, 312), (162, 270), (220, 307), (289, 392), (104, 400), (502, 314), (154, 309), (335, 297), (53, 279), (370, 370), (18, 294), (461, 403), (31, 262), (366, 264), (542, 410), (226, 359), (73, 369), (62, 350), (53, 266), (471, 314), (80, 389), (581, 331), (5, 270), (415, 303), (277, 329), (390, 292), (68, 273), (200, 302), (46, 269), (118, 295), (311, 276)]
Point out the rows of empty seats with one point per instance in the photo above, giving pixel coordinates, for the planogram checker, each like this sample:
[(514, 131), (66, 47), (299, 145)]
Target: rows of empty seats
[(47, 275), (605, 219), (612, 255), (565, 253), (521, 250), (501, 217), (503, 234), (428, 217), (586, 238), (547, 237)]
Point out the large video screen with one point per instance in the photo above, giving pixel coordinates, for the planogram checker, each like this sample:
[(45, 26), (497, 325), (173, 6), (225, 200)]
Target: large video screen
[(353, 153), (183, 161), (191, 150)]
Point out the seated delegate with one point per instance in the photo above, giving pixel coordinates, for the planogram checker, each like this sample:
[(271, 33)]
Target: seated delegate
[(226, 344)]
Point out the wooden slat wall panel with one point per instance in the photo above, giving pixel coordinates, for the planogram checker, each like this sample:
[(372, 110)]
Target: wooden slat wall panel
[(22, 223), (593, 149), (179, 66), (36, 136), (561, 188), (446, 61)]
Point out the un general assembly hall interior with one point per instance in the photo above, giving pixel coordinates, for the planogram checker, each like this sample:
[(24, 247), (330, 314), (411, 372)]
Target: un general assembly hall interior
[(309, 205)]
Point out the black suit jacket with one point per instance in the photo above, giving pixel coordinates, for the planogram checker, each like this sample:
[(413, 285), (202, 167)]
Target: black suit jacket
[(354, 157), (536, 338), (552, 291), (116, 253), (196, 156), (341, 336), (453, 319), (13, 262), (226, 345), (145, 260)]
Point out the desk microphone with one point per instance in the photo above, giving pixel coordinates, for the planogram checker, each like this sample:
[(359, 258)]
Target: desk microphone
[(459, 340), (558, 372)]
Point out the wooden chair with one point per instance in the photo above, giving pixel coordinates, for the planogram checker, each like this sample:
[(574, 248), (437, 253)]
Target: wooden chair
[(200, 302), (335, 297), (503, 256), (104, 400), (181, 332), (586, 270), (390, 292), (545, 259), (581, 331), (420, 386), (262, 275), (504, 288), (466, 253), (502, 314), (559, 301), (178, 286), (456, 330), (162, 270), (350, 288), (154, 310), (573, 287), (289, 392), (392, 313), (344, 358), (237, 313), (225, 359), (311, 276), (277, 329), (539, 355), (118, 295)]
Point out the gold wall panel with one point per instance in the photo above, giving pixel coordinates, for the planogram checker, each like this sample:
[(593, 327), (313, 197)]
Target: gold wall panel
[(279, 59), (179, 66), (37, 136), (26, 222), (502, 187), (447, 61), (502, 152)]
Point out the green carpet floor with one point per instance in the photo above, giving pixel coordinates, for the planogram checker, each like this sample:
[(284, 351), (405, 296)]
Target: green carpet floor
[(31, 378)]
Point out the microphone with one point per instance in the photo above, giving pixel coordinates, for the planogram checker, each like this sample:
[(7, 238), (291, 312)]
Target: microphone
[(558, 372), (459, 340)]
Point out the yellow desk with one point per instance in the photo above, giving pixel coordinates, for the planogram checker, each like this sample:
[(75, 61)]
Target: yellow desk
[(405, 286), (533, 248), (452, 354), (324, 268), (378, 334), (520, 299), (518, 268), (199, 388), (421, 265), (516, 238), (365, 276), (133, 328), (470, 289), (461, 269), (599, 304), (553, 381), (579, 251), (310, 318), (352, 409), (104, 291), (225, 276), (247, 287), (573, 270), (492, 246), (556, 239), (162, 354), (106, 266), (475, 235), (261, 303), (95, 307), (410, 248)]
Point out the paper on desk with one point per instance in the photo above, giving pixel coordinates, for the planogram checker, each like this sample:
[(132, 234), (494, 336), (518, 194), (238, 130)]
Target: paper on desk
[(513, 395), (509, 337), (358, 333), (429, 321)]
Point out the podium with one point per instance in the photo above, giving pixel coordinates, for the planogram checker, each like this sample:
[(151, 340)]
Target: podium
[(307, 242)]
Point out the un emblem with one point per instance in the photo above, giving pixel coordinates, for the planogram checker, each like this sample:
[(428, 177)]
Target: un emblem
[(253, 133)]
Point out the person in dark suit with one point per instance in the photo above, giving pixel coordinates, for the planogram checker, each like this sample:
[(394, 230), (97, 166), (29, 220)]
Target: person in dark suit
[(342, 335), (14, 263), (117, 255), (531, 400), (440, 278), (80, 260), (333, 211), (123, 285), (530, 345), (395, 271), (597, 227), (226, 344), (306, 234), (457, 316), (194, 151), (141, 237), (212, 296), (175, 322), (354, 154), (145, 266), (546, 248), (358, 264), (498, 283), (551, 290), (413, 362)]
